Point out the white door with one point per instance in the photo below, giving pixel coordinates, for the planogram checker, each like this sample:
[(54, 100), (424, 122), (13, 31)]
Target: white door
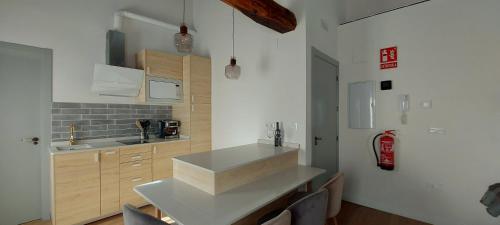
[(25, 82), (324, 115)]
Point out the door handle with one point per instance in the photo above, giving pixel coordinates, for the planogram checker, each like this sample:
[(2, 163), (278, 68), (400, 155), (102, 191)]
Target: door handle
[(33, 140), (316, 139)]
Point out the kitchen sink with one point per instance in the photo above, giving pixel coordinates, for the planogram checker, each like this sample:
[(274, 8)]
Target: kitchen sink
[(74, 147)]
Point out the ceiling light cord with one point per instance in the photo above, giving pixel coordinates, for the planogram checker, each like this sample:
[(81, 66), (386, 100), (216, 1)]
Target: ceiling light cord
[(233, 32), (184, 12)]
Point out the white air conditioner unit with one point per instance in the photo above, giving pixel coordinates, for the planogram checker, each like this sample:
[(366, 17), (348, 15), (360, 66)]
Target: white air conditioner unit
[(117, 81)]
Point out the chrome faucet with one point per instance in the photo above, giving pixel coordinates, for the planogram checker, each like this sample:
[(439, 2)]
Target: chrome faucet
[(72, 139)]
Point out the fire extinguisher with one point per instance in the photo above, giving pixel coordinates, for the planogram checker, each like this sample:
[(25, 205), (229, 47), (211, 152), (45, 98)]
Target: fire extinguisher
[(387, 145)]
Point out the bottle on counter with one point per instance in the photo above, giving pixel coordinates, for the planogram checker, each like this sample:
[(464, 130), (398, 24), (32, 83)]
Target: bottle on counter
[(277, 136)]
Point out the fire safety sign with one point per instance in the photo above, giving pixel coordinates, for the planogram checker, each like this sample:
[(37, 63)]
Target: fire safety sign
[(388, 58)]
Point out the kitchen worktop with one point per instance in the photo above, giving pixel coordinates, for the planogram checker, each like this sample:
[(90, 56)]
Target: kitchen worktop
[(229, 158), (103, 144), (189, 205)]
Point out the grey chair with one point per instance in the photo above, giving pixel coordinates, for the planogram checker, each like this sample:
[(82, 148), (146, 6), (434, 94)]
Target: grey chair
[(335, 187), (285, 218), (133, 216), (310, 210)]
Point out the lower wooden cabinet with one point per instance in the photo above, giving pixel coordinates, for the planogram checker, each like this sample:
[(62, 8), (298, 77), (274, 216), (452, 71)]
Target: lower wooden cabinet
[(135, 169), (90, 185), (127, 193), (76, 187), (201, 128), (110, 181), (162, 157)]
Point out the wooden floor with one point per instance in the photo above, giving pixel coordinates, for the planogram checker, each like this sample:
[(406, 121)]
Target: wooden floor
[(351, 214)]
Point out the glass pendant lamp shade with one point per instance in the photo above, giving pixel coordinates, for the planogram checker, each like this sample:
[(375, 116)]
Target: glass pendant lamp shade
[(184, 40), (233, 71)]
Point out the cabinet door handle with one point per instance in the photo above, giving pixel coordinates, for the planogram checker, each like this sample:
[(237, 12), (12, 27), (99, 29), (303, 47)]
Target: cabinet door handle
[(192, 108), (137, 157), (148, 70), (96, 157), (110, 153), (137, 165), (154, 150), (136, 179)]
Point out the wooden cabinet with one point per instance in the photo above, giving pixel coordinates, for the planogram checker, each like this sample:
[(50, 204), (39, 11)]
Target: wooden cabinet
[(110, 181), (162, 157), (160, 64), (195, 113), (200, 73), (201, 127), (135, 169), (76, 187), (90, 185)]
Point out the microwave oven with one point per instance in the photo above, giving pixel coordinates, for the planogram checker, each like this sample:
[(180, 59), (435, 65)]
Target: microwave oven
[(163, 90)]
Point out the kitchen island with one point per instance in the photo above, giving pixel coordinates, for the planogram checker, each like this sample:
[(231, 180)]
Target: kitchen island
[(190, 203)]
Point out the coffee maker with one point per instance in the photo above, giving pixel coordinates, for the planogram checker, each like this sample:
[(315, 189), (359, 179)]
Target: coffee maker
[(168, 129)]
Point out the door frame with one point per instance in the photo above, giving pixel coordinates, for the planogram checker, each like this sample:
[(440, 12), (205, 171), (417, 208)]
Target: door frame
[(45, 121), (314, 52)]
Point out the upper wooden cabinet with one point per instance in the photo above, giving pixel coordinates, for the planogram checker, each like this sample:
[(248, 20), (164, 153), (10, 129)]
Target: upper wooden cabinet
[(160, 64), (199, 70), (195, 112), (76, 187)]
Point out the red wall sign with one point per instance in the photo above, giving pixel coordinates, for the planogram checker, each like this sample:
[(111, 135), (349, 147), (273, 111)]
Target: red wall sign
[(389, 58)]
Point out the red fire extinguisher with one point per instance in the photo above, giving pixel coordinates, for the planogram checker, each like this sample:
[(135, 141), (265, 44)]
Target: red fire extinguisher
[(387, 145)]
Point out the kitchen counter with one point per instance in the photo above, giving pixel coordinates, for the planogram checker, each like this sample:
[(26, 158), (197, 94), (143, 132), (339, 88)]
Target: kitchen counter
[(229, 158), (104, 144), (188, 205)]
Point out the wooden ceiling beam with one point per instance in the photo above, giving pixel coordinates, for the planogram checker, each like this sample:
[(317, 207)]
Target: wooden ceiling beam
[(266, 12)]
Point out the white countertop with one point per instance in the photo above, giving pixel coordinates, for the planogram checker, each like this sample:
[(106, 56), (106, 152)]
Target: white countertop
[(224, 159), (190, 206), (103, 144)]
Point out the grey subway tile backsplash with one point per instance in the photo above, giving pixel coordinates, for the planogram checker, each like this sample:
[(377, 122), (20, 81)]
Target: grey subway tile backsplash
[(66, 117), (94, 106), (95, 117), (74, 111), (94, 121), (119, 106), (63, 105), (101, 111)]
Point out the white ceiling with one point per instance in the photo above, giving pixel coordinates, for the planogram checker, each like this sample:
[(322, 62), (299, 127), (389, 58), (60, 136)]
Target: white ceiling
[(352, 10)]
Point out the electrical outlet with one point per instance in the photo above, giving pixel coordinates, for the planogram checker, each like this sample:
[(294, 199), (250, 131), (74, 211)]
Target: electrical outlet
[(434, 130)]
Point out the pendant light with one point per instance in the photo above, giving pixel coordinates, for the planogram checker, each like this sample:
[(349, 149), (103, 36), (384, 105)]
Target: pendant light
[(184, 40), (233, 71)]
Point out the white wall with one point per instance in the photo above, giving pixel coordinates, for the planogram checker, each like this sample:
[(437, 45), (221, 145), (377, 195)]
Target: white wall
[(76, 31), (449, 53), (358, 9), (322, 21), (272, 84)]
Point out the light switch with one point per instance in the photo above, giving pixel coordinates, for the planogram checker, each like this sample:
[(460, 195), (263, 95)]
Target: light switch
[(426, 104), (434, 130)]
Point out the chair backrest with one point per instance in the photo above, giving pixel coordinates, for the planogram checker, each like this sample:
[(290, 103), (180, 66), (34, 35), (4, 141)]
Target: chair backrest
[(133, 216), (285, 218), (335, 187), (310, 210)]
